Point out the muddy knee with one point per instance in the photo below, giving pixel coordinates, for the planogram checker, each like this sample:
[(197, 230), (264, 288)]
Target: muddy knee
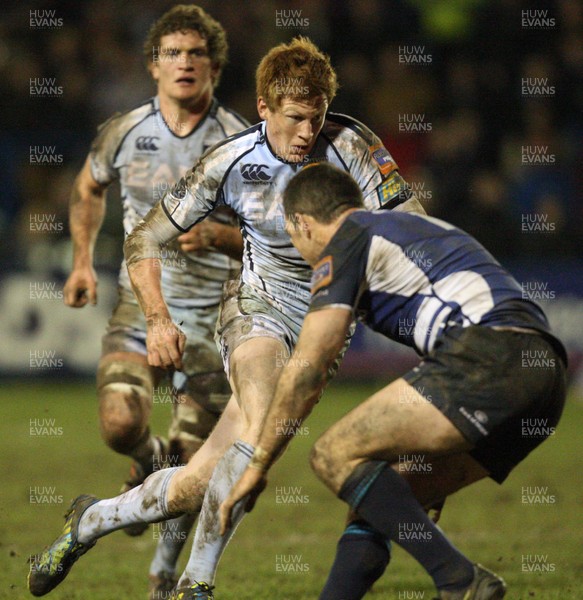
[(124, 391), (195, 413), (322, 459)]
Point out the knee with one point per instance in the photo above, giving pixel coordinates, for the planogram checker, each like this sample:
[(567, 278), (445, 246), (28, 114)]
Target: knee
[(123, 415), (193, 419), (322, 460)]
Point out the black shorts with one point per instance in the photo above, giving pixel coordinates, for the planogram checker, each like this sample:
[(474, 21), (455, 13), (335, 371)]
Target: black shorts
[(504, 390)]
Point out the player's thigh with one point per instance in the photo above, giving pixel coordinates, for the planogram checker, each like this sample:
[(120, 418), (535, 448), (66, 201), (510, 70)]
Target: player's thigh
[(384, 428), (256, 339), (255, 367)]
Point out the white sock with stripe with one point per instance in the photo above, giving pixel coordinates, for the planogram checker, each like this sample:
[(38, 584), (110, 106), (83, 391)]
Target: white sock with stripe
[(209, 544), (145, 503)]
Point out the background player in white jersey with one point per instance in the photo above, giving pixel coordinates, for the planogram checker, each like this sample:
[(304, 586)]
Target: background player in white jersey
[(261, 315), (464, 405), (147, 150)]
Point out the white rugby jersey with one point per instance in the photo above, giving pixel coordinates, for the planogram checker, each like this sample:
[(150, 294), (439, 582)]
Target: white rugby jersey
[(147, 157), (245, 174)]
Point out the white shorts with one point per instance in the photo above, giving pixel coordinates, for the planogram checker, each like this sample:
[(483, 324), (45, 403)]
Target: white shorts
[(246, 313), (126, 332)]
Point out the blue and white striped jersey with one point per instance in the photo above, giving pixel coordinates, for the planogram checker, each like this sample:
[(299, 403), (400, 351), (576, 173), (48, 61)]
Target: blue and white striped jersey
[(148, 158), (410, 277), (245, 174)]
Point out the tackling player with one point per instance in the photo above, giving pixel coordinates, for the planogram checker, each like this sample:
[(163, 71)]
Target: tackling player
[(147, 150), (462, 408), (261, 315)]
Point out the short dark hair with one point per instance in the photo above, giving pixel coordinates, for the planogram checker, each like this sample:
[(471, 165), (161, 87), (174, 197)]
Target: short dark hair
[(189, 17), (322, 191)]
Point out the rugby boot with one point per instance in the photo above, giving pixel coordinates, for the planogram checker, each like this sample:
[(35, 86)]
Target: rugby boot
[(199, 590), (49, 568), (485, 586)]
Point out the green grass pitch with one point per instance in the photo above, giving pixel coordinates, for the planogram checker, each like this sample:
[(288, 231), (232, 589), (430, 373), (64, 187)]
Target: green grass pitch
[(529, 530)]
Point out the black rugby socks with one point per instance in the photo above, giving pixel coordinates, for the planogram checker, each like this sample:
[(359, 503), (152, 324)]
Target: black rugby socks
[(384, 499), (362, 555)]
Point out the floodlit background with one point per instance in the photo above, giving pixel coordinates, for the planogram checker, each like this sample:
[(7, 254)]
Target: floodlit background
[(480, 102)]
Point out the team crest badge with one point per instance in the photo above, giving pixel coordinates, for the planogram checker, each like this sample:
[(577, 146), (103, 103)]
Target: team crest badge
[(383, 159), (322, 275)]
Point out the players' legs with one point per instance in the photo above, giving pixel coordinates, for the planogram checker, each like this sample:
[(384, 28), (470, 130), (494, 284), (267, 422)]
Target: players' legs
[(362, 555), (352, 459), (200, 398), (166, 493), (124, 387), (254, 370), (474, 380), (125, 383), (386, 429), (187, 488)]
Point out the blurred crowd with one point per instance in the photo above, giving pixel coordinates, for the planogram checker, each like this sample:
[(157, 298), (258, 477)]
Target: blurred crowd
[(479, 101)]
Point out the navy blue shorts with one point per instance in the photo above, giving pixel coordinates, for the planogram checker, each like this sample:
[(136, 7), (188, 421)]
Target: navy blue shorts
[(504, 390)]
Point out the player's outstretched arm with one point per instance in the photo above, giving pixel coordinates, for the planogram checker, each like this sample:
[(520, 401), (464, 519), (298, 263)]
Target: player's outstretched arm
[(165, 341), (86, 211), (210, 235), (298, 389)]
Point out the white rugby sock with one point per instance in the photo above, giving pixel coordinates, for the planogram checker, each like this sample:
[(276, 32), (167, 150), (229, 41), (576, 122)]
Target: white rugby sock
[(209, 544), (172, 536), (145, 503)]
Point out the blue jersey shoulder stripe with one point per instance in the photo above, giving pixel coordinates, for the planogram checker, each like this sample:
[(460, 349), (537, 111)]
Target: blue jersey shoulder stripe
[(331, 144), (235, 161), (359, 128), (237, 135), (239, 117), (123, 138)]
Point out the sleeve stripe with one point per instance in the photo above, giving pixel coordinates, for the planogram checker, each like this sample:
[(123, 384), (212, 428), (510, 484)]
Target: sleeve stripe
[(172, 220), (331, 305), (331, 144), (359, 128)]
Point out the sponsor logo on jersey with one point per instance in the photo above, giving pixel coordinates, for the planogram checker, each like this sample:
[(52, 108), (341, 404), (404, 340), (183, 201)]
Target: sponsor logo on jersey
[(481, 416), (476, 419), (254, 173), (391, 187), (383, 159), (147, 143), (322, 275)]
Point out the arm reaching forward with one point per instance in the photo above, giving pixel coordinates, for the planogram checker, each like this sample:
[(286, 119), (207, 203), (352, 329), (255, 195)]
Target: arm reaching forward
[(165, 341), (298, 389)]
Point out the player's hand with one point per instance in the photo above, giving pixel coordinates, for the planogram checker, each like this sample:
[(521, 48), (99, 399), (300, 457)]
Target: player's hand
[(251, 484), (435, 509), (201, 237), (81, 288), (165, 342)]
